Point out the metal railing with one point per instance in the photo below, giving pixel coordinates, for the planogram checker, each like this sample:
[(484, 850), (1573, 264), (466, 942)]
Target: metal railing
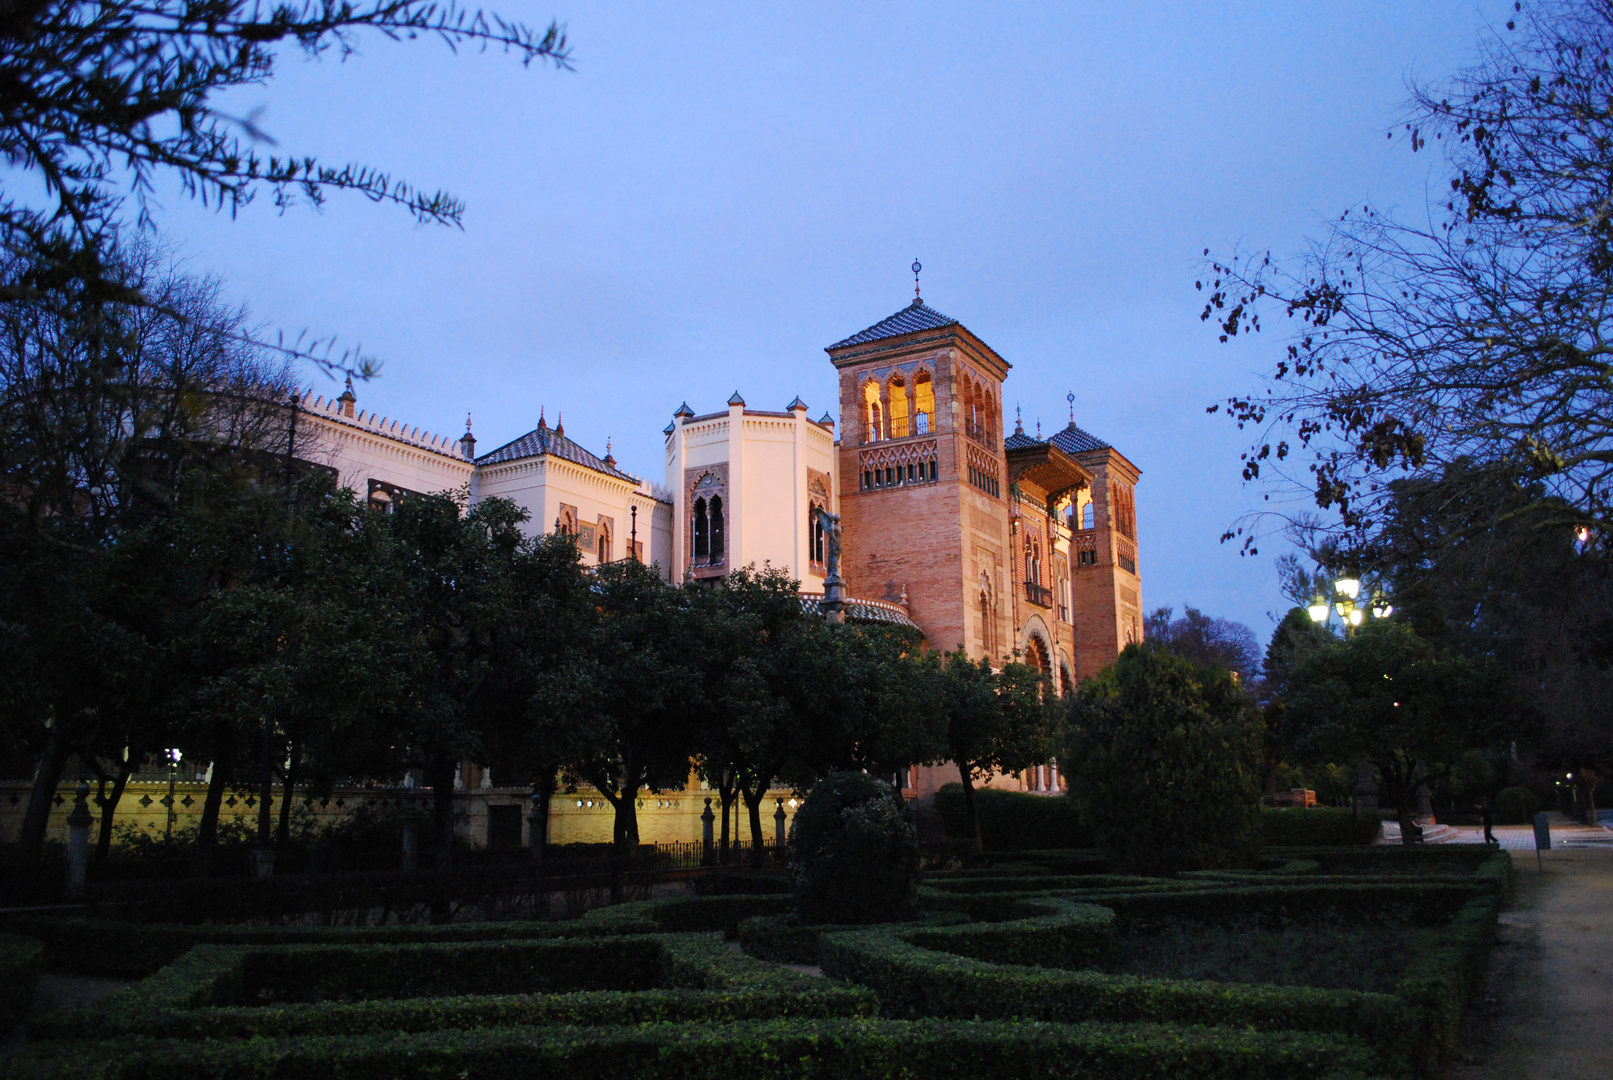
[(1038, 594)]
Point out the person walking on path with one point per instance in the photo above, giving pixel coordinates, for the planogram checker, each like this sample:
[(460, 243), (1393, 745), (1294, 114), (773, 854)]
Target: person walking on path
[(1487, 818)]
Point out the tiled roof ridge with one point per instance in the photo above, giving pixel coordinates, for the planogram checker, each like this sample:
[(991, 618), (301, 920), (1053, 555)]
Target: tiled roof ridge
[(909, 320), (368, 421), (1072, 440), (547, 440)]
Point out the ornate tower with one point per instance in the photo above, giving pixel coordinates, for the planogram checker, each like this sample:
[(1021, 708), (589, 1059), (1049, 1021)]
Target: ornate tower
[(923, 478), (1104, 579)]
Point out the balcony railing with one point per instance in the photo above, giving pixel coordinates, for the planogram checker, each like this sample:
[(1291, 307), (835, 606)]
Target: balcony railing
[(1038, 594)]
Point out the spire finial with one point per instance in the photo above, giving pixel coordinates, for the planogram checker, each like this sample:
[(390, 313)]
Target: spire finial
[(559, 422), (1019, 422), (467, 421), (917, 266), (542, 423), (1070, 397), (1038, 429)]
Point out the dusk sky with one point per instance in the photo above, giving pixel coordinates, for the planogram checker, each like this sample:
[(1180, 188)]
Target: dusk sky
[(717, 192)]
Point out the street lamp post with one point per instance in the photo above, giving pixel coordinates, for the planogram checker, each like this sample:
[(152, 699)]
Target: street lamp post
[(173, 777), (1353, 610)]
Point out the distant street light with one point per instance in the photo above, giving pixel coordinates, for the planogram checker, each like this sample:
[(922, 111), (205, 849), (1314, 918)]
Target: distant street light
[(1347, 590), (173, 775)]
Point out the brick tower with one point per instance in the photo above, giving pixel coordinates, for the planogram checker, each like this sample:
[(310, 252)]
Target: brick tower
[(923, 477), (1104, 582)]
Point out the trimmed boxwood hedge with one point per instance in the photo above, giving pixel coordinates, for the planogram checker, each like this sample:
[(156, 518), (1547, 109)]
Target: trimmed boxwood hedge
[(206, 994), (781, 939), (19, 970), (790, 1049), (1316, 826), (1055, 932), (1409, 1029), (132, 950), (1014, 820)]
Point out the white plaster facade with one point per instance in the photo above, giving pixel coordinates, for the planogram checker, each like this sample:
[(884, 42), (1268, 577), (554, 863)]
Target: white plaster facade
[(769, 469), (543, 472)]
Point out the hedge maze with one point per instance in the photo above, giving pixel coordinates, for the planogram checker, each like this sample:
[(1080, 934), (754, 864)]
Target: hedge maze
[(1031, 964)]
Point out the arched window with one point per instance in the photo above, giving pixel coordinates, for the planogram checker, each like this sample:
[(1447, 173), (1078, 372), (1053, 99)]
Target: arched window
[(1089, 517), (1036, 655), (923, 404), (817, 552), (716, 528), (604, 544), (873, 412), (702, 530), (897, 414), (985, 623)]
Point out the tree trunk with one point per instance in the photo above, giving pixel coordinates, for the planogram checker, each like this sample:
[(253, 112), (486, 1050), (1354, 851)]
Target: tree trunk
[(43, 795), (726, 794), (109, 807), (753, 806), (971, 808), (1403, 780), (440, 772), (207, 828), (266, 805), (287, 793), (543, 789)]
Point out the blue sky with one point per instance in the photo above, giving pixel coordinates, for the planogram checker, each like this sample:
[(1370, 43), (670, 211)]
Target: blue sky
[(719, 191)]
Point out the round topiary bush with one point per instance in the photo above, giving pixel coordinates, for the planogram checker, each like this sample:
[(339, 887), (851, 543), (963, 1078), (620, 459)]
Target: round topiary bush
[(853, 853), (1515, 806)]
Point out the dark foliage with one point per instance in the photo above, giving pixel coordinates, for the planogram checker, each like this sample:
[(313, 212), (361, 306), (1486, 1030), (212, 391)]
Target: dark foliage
[(853, 852), (1165, 756), (1015, 820)]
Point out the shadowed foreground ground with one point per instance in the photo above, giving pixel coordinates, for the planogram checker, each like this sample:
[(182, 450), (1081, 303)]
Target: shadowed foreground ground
[(1545, 1008)]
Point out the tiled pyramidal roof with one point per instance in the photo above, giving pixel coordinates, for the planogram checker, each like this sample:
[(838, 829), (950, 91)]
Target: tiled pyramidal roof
[(1072, 440), (910, 320), (546, 440), (425, 440)]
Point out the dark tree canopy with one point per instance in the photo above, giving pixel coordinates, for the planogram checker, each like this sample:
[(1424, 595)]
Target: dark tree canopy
[(1165, 756), (1409, 707), (1204, 639)]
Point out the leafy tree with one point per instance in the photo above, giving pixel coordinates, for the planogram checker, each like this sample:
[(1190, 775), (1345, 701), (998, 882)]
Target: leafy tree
[(1293, 640), (994, 721), (878, 708), (645, 695), (537, 706), (1411, 709), (1204, 639), (1475, 332), (455, 573), (105, 409), (1164, 755), (1493, 573), (754, 645)]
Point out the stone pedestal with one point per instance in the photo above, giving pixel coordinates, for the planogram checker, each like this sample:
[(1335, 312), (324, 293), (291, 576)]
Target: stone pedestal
[(78, 841)]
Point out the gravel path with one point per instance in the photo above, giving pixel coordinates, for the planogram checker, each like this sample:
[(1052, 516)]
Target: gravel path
[(1548, 996)]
